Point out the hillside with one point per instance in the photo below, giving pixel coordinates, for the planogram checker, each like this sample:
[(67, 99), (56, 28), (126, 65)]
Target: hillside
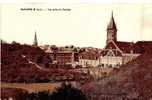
[(25, 63), (133, 80), (15, 61)]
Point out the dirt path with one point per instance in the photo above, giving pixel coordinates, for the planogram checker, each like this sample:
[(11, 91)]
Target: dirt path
[(31, 62)]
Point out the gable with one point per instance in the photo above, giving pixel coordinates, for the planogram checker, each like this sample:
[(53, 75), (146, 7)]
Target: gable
[(111, 45), (108, 52)]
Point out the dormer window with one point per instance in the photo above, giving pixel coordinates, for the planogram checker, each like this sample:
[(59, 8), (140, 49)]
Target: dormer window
[(110, 53)]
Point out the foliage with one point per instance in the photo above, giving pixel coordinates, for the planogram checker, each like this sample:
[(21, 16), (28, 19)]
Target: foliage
[(65, 92), (132, 81)]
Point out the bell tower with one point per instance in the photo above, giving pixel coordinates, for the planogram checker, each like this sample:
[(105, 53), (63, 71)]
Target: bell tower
[(111, 30)]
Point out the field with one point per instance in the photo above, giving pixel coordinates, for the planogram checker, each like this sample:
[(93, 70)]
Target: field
[(32, 87)]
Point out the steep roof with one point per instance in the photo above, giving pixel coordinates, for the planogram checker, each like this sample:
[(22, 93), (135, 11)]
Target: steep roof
[(125, 47), (119, 47), (35, 43), (111, 24), (142, 46), (138, 47)]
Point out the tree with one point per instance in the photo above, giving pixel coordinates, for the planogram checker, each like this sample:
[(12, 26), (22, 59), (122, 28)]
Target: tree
[(67, 92), (14, 42), (39, 59)]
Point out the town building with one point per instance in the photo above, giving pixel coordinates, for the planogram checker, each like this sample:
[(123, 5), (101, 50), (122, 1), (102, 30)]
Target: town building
[(62, 56), (88, 57)]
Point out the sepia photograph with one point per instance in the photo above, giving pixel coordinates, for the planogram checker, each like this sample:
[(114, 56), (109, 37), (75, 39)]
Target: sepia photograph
[(76, 51)]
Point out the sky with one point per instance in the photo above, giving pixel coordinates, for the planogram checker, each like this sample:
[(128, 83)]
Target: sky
[(83, 25)]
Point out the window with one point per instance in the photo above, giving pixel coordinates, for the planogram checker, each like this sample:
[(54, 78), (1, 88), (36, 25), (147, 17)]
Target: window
[(102, 65), (110, 66)]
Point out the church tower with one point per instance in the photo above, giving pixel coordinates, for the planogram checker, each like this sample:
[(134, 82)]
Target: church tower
[(35, 43), (111, 30)]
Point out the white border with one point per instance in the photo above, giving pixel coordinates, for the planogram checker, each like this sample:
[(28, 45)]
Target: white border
[(76, 1)]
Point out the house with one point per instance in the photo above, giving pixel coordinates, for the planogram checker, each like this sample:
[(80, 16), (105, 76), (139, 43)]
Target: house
[(88, 57)]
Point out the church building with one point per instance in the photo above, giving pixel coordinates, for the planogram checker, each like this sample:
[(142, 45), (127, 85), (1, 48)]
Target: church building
[(116, 52)]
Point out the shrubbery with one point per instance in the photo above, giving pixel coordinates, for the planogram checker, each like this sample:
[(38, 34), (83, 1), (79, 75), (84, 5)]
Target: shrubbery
[(65, 92)]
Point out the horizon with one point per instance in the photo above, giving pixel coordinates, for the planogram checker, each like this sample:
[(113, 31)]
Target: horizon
[(83, 26)]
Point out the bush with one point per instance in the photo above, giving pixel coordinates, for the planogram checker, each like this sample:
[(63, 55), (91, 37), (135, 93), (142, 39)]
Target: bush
[(67, 92)]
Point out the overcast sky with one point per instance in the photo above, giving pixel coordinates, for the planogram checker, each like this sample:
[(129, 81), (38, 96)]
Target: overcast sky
[(84, 25)]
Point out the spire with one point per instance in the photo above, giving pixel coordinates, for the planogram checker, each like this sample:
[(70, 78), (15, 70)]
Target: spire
[(35, 43), (111, 30), (112, 24)]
